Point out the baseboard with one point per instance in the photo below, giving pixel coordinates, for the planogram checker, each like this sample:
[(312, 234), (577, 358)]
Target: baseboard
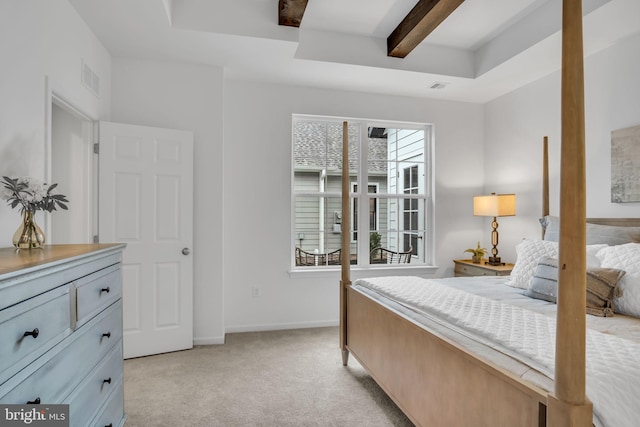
[(280, 326), (208, 340)]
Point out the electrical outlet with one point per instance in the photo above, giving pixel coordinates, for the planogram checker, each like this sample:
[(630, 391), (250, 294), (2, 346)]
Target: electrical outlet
[(255, 292)]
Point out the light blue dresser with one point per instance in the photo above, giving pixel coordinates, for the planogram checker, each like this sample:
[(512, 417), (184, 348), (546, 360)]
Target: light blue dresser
[(61, 330)]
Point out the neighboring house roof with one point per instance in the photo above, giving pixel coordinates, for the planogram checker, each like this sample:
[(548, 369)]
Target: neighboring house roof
[(318, 146)]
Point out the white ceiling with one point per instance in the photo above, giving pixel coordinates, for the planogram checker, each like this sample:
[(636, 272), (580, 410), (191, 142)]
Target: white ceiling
[(486, 48)]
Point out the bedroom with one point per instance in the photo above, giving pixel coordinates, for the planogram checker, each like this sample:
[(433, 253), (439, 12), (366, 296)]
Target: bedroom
[(139, 90)]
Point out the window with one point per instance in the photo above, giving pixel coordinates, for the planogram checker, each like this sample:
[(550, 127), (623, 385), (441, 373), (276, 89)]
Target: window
[(390, 175)]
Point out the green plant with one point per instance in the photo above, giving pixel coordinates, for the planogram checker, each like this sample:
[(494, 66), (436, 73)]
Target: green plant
[(477, 252), (374, 240), (32, 194)]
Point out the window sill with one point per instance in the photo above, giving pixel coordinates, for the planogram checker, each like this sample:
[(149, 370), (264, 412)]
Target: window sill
[(362, 272)]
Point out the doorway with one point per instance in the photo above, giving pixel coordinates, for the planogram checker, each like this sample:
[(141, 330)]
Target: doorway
[(74, 169)]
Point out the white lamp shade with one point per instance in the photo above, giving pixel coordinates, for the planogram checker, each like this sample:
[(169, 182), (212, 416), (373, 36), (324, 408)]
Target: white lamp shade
[(495, 205)]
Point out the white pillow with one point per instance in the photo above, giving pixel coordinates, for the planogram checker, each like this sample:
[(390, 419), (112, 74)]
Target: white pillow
[(528, 253), (625, 257), (592, 255)]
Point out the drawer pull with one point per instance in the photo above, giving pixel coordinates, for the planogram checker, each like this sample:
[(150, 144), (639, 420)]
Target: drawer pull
[(108, 381), (109, 425), (33, 333), (34, 402), (108, 335), (107, 289)]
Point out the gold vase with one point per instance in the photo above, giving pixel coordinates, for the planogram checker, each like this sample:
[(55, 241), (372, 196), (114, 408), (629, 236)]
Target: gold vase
[(29, 235)]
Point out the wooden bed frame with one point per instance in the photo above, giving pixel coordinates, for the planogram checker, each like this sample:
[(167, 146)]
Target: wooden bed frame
[(439, 383)]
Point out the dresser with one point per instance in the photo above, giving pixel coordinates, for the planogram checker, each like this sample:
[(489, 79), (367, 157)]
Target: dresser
[(61, 330), (465, 267)]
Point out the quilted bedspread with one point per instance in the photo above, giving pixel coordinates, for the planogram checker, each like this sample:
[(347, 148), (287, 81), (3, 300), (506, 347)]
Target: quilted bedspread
[(613, 363)]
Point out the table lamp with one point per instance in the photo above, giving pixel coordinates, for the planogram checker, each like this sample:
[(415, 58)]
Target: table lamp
[(494, 205)]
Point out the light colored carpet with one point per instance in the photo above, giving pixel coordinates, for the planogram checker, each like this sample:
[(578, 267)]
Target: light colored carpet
[(279, 378)]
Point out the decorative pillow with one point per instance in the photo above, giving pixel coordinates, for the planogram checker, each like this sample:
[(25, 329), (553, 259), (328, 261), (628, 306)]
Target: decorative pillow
[(596, 233), (601, 286), (544, 284), (625, 257), (528, 253), (602, 290)]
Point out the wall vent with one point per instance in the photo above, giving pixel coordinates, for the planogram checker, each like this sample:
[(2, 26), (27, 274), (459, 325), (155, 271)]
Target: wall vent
[(438, 85), (90, 79)]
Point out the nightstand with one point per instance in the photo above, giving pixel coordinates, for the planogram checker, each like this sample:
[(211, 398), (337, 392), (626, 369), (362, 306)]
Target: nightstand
[(464, 267)]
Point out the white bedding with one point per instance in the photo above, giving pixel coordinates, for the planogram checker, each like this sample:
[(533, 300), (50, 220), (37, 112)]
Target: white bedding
[(485, 311)]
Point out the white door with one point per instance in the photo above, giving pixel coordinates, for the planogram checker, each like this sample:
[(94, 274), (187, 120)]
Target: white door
[(146, 201)]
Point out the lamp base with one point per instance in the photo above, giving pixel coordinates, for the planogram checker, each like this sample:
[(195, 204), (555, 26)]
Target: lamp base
[(494, 260)]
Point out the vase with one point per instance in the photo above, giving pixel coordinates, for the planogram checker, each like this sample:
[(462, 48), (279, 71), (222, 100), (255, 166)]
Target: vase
[(29, 235), (476, 259)]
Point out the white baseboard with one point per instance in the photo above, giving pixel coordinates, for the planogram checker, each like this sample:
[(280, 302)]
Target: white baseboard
[(208, 340), (280, 326)]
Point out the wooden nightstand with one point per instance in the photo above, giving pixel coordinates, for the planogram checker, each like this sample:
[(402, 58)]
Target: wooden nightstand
[(464, 267)]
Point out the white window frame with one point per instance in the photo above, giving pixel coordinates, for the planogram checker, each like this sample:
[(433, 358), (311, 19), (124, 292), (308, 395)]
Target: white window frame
[(428, 243)]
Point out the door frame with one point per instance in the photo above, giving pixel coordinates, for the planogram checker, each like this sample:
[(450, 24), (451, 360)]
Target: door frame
[(89, 130)]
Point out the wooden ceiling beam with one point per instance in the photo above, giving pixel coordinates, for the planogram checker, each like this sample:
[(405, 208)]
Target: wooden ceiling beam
[(425, 16), (290, 12)]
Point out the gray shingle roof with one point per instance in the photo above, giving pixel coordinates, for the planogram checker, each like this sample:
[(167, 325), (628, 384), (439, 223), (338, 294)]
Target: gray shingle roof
[(318, 145)]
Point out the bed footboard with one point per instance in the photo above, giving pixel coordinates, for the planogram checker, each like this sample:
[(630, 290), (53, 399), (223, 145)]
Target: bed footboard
[(433, 381)]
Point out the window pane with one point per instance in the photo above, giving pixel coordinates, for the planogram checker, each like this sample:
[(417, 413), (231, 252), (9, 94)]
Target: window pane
[(317, 231), (414, 221), (317, 152), (397, 158), (403, 229)]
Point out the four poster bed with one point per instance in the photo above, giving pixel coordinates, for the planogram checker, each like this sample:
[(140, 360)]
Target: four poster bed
[(497, 351)]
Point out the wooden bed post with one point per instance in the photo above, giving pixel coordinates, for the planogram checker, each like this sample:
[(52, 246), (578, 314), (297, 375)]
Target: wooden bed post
[(345, 281), (569, 405), (545, 176)]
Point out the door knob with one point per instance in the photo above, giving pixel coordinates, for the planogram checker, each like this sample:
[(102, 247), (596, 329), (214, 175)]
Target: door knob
[(186, 251)]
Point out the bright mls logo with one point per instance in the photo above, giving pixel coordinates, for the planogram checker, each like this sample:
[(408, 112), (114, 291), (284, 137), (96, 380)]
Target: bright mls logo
[(34, 415)]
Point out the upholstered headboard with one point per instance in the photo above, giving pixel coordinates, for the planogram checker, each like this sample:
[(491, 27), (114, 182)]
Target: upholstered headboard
[(612, 231)]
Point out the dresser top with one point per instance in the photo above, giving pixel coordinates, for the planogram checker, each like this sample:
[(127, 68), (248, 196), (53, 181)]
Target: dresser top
[(12, 260)]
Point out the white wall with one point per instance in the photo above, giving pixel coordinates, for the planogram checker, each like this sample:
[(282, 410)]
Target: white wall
[(516, 123), (187, 97), (257, 194), (41, 38)]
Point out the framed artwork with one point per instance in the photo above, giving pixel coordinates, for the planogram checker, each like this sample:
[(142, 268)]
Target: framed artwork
[(625, 165)]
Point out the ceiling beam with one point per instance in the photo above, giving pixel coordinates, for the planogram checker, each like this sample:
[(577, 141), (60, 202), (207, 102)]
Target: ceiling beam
[(290, 12), (418, 24)]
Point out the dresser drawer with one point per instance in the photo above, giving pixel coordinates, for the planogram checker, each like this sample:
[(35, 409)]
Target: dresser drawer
[(48, 378), (45, 320), (21, 285), (96, 291), (92, 393), (112, 413)]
